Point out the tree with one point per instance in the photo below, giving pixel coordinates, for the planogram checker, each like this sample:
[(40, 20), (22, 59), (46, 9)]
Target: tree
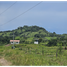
[(54, 34), (40, 40), (52, 42), (36, 35)]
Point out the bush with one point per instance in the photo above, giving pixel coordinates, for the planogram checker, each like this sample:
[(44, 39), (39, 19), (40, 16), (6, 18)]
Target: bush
[(26, 42), (20, 48), (59, 50), (52, 42), (40, 40), (22, 41)]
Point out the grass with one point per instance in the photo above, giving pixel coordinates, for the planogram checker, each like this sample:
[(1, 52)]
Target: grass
[(49, 38), (33, 55)]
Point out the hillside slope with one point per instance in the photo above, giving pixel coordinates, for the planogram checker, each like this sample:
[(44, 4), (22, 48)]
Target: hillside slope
[(27, 33)]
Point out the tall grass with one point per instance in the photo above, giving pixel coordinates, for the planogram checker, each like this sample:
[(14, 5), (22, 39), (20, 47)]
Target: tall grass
[(33, 55)]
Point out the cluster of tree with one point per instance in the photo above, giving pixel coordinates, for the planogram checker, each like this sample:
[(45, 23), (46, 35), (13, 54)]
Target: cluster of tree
[(26, 42), (39, 35), (47, 35), (31, 42), (20, 32), (54, 42), (5, 40), (54, 35), (32, 28)]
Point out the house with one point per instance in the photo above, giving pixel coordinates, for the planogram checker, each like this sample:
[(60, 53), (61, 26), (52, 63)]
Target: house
[(36, 41), (14, 41)]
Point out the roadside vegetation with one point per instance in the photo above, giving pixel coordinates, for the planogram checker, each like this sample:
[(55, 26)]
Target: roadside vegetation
[(34, 54)]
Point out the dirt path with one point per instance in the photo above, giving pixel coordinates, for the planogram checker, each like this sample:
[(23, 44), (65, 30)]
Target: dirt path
[(4, 62), (7, 45)]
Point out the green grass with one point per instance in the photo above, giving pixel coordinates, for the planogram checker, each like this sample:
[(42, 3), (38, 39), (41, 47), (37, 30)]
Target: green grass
[(29, 39), (49, 38), (33, 55)]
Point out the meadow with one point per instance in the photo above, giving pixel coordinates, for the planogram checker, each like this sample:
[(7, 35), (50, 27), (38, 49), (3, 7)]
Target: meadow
[(34, 55)]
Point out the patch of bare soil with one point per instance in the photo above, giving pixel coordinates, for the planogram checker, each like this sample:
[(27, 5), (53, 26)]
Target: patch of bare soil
[(7, 45), (4, 62)]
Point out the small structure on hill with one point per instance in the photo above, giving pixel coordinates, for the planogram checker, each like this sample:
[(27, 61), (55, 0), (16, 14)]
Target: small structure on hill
[(14, 41), (36, 41)]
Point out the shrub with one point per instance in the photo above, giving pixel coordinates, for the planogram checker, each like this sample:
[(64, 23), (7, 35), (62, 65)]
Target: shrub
[(40, 40), (52, 42), (26, 42)]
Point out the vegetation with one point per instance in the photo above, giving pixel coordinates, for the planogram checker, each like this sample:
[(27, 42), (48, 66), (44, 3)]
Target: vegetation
[(36, 55), (26, 34), (51, 50)]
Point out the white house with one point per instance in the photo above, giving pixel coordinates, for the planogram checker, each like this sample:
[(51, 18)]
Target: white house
[(14, 41), (35, 41)]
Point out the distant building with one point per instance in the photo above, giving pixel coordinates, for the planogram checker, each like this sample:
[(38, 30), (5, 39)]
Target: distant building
[(36, 41), (15, 41)]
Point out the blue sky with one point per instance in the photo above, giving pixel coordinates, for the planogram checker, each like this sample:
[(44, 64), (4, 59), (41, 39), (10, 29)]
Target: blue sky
[(51, 15)]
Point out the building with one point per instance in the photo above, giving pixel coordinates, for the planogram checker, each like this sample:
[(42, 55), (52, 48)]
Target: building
[(36, 41), (14, 41)]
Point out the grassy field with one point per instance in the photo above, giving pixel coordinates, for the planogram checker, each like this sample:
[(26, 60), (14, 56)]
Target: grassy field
[(33, 55)]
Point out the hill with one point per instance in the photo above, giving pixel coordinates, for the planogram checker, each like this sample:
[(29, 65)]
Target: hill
[(27, 33), (51, 50)]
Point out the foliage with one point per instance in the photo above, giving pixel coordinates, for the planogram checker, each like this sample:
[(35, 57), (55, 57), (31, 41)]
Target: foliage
[(33, 55), (17, 38), (5, 40), (60, 47), (40, 40), (39, 35), (26, 32), (52, 42)]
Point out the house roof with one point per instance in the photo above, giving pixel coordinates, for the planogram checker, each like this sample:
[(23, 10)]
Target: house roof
[(15, 40)]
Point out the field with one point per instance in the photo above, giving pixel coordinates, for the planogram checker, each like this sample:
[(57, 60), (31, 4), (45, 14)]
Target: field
[(33, 55)]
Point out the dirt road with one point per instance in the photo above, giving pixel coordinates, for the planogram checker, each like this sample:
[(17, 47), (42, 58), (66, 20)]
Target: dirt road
[(4, 62)]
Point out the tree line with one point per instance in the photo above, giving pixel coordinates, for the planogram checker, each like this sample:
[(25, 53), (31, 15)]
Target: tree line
[(20, 32)]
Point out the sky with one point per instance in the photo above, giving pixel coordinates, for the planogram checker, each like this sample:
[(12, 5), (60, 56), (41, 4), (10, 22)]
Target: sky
[(51, 15)]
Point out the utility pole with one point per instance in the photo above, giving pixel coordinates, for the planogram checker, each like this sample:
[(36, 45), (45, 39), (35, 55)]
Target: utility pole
[(13, 39)]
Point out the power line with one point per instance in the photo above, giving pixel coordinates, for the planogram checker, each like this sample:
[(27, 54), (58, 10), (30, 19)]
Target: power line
[(21, 13), (8, 8)]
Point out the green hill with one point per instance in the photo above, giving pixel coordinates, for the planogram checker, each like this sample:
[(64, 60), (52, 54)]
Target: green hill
[(51, 50), (27, 33)]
